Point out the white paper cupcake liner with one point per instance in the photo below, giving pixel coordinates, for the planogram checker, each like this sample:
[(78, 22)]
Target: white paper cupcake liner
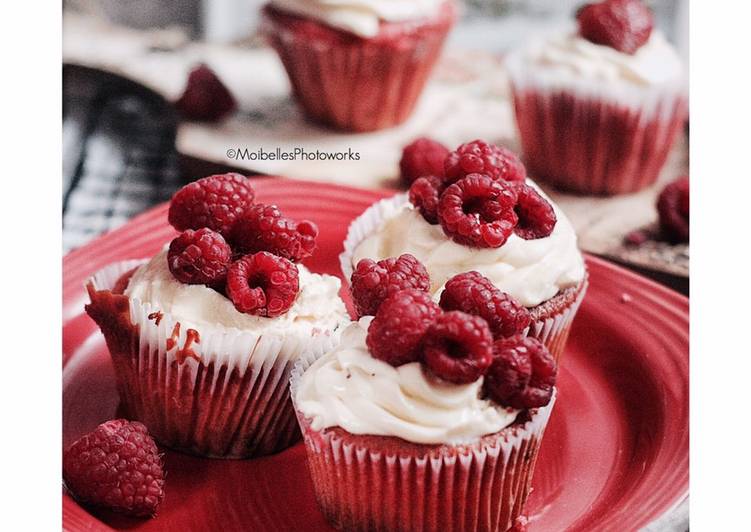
[(369, 483), (593, 137), (224, 395), (551, 331)]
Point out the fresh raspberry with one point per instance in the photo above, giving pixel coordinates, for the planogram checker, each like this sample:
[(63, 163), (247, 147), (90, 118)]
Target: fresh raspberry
[(673, 208), (424, 194), (263, 228), (215, 202), (522, 374), (458, 347), (478, 211), (480, 157), (262, 284), (621, 24), (475, 294), (199, 257), (372, 282), (395, 333), (536, 215), (205, 97), (422, 157), (116, 466)]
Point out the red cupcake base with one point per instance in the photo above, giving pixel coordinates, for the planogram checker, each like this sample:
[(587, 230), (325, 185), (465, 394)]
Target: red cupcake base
[(366, 483), (190, 394), (352, 83), (595, 146)]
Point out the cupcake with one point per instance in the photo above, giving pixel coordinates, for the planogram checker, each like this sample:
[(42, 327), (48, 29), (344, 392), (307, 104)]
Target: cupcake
[(598, 109), (203, 336), (481, 216), (417, 420), (358, 65)]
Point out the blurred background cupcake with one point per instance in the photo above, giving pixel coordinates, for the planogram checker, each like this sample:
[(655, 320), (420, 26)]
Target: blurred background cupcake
[(358, 65), (598, 109)]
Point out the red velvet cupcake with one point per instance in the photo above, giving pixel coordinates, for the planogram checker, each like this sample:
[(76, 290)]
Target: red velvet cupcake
[(204, 335), (392, 446), (599, 110), (358, 67), (523, 246)]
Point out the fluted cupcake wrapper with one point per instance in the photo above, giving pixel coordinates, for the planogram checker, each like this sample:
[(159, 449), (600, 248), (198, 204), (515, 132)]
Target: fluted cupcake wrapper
[(552, 331), (373, 483), (210, 391), (593, 138), (357, 84)]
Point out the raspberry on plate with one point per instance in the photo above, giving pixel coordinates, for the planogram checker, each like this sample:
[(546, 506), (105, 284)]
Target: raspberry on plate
[(372, 282), (478, 211), (523, 373), (480, 157), (458, 347), (424, 194), (205, 97), (263, 284), (116, 466), (422, 157), (199, 257), (673, 208), (475, 294), (399, 326), (621, 24), (536, 215), (215, 202), (263, 228)]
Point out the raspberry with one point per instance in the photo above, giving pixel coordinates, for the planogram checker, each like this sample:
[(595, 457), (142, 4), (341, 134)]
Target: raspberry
[(263, 228), (673, 208), (478, 211), (424, 194), (480, 157), (422, 157), (621, 24), (372, 282), (522, 374), (458, 347), (205, 97), (395, 333), (262, 284), (214, 202), (475, 294), (116, 466), (199, 257), (536, 215)]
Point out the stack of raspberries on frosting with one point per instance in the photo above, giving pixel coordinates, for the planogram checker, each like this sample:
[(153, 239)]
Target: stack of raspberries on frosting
[(480, 197), (474, 331), (244, 250)]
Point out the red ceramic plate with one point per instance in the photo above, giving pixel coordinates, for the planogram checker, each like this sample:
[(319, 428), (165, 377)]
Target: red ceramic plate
[(615, 455)]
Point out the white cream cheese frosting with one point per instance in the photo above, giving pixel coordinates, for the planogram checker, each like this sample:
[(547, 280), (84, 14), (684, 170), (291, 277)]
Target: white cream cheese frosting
[(532, 271), (572, 56), (361, 17), (348, 388), (317, 305)]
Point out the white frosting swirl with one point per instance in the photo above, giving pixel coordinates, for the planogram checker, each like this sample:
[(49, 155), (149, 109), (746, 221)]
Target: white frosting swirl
[(361, 17), (532, 271), (571, 57), (317, 305), (350, 389)]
